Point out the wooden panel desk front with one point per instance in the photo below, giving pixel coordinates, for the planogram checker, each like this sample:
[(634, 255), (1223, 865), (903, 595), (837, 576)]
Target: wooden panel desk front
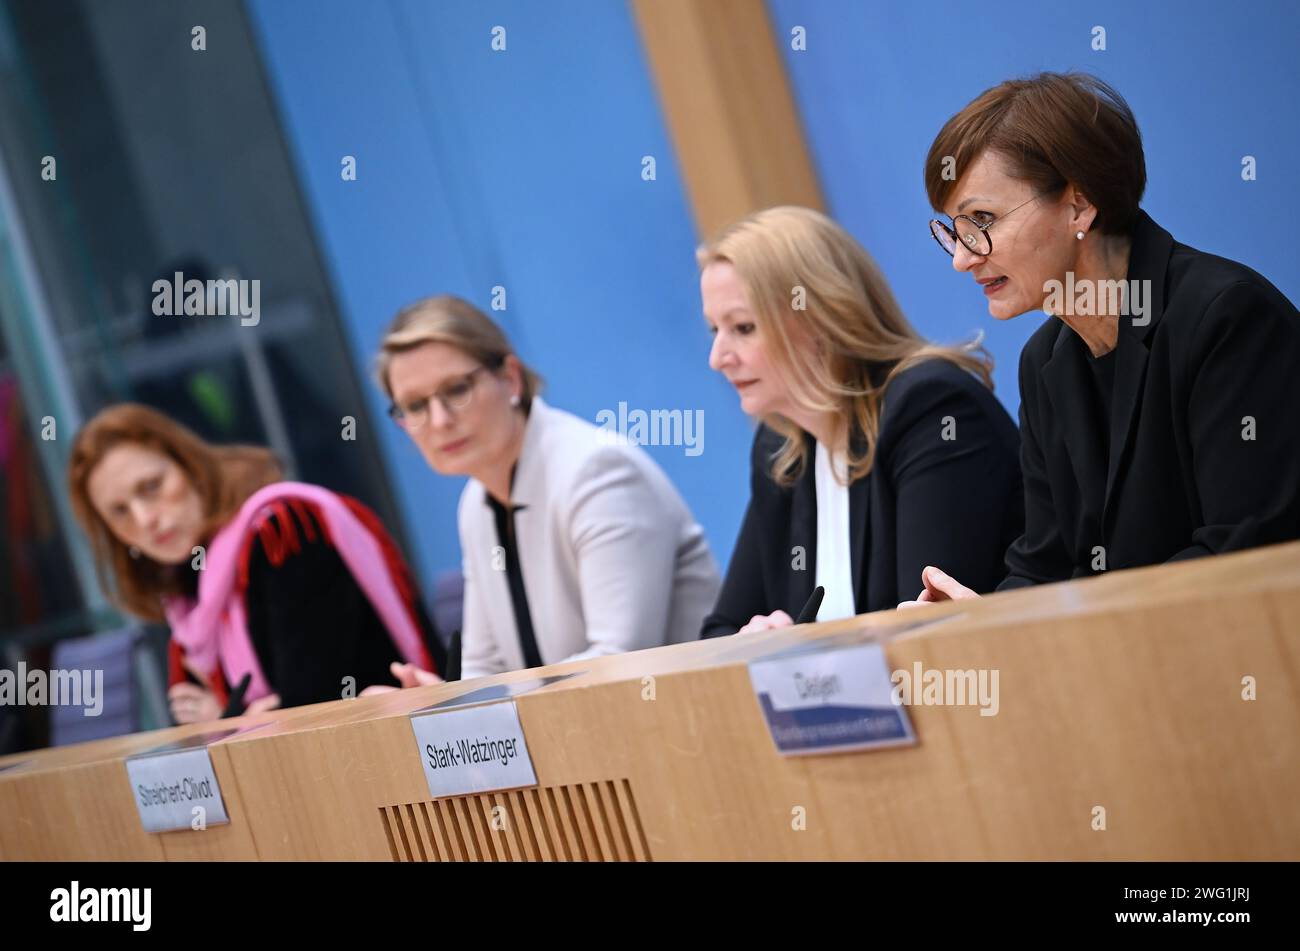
[(1121, 696)]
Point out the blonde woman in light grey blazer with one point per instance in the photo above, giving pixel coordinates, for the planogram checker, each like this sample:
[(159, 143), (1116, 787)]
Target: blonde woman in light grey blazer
[(573, 544)]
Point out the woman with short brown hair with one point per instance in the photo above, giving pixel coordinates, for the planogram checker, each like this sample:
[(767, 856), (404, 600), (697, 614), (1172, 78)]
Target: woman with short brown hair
[(1159, 401)]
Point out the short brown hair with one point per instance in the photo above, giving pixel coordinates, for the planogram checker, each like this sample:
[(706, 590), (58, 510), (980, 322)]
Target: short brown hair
[(223, 476), (1054, 129), (457, 323)]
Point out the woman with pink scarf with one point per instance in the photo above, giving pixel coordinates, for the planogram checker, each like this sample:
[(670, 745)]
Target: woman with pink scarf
[(277, 593)]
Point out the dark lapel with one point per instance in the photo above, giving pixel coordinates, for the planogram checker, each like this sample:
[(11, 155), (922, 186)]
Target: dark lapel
[(859, 521), (1066, 376), (803, 532), (1148, 261)]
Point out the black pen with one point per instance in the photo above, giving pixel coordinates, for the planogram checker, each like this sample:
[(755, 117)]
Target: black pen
[(814, 603), (236, 705)]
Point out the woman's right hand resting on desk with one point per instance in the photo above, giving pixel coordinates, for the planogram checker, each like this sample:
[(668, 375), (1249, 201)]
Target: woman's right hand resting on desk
[(766, 622), (939, 586), (408, 675), (191, 703)]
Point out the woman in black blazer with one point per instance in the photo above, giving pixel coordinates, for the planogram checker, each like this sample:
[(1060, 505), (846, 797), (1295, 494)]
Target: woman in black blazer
[(876, 448), (1157, 423)]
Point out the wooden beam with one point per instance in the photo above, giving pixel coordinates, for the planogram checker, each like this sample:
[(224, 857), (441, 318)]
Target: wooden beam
[(725, 95)]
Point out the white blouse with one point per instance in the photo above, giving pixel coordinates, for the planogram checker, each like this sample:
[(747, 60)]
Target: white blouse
[(834, 563)]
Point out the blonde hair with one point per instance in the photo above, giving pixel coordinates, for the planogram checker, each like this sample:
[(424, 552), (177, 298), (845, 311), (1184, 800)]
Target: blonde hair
[(789, 255), (457, 323)]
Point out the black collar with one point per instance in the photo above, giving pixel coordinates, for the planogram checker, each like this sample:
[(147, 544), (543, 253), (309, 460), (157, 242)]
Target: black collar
[(1149, 257), (1148, 260), (496, 506)]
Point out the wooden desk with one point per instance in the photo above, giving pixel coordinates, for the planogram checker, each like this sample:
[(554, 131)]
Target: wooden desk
[(1123, 692)]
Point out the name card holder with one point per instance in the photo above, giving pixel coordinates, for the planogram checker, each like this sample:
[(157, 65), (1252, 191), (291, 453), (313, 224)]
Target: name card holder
[(176, 789), (473, 749), (830, 701)]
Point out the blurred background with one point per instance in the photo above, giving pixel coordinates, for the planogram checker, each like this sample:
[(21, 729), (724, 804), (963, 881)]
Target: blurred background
[(569, 152)]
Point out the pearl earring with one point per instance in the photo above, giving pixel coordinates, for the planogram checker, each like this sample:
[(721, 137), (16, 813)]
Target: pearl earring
[(1079, 235), (514, 399)]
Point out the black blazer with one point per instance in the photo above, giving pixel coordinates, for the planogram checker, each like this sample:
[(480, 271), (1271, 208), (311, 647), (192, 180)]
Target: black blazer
[(954, 503), (1177, 477)]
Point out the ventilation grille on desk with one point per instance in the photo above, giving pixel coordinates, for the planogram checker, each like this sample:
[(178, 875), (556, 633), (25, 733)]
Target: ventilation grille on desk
[(582, 822)]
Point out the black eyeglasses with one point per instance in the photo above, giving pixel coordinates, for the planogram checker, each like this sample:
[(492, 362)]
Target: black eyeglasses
[(454, 397), (973, 236)]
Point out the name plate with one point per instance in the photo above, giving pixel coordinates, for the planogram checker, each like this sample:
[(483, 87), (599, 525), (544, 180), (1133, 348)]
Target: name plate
[(473, 750), (830, 701), (168, 787)]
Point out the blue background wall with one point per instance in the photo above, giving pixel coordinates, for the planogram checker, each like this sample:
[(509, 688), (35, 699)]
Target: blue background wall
[(523, 168), (477, 168), (1209, 82)]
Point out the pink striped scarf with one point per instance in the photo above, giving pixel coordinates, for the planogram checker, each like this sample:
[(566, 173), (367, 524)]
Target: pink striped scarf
[(212, 628)]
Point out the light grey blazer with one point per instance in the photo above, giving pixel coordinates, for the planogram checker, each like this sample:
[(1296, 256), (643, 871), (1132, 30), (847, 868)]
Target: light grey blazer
[(611, 557)]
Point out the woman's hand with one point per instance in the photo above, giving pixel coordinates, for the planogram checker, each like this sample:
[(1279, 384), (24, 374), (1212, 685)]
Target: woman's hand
[(270, 702), (191, 703), (766, 622), (939, 586), (408, 675)]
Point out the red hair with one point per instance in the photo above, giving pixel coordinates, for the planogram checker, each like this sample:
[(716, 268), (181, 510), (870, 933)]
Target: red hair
[(223, 476)]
